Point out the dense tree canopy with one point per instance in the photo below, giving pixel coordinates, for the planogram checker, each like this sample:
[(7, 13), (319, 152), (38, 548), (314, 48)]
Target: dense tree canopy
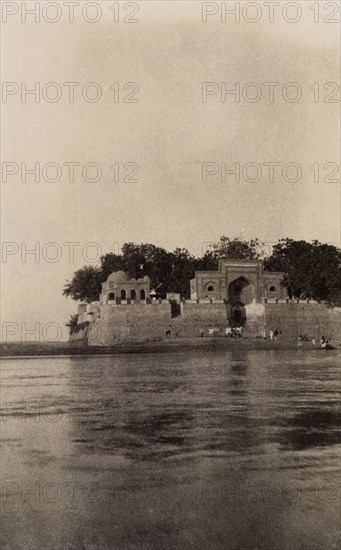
[(237, 249), (228, 249), (310, 269)]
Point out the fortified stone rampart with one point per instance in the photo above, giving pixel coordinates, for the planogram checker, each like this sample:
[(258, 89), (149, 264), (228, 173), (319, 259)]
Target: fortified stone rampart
[(87, 313), (291, 319), (154, 321), (198, 317), (130, 322), (112, 323), (255, 324), (255, 300), (310, 319)]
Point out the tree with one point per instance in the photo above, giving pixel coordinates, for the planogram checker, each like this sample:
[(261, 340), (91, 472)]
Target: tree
[(311, 270), (229, 249), (110, 263), (85, 284), (168, 271), (72, 323), (147, 259), (209, 262), (237, 249), (182, 270)]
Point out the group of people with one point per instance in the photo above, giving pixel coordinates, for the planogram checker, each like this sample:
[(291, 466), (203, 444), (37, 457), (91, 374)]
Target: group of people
[(237, 332), (234, 332), (273, 334), (324, 342)]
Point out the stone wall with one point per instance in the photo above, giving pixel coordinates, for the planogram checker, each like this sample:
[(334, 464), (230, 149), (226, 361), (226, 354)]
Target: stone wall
[(133, 322), (143, 322), (153, 322), (311, 319), (292, 319), (255, 319), (197, 317), (272, 287)]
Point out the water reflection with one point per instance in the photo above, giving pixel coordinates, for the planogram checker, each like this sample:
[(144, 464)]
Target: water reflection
[(312, 428), (184, 451), (167, 406)]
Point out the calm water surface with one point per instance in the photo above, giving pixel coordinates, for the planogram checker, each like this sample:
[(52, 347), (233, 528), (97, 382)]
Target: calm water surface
[(227, 451)]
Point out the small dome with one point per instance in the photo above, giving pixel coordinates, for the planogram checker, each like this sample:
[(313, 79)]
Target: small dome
[(118, 277)]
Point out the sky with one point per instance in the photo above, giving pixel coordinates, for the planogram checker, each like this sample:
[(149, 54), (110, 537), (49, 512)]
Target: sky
[(160, 136)]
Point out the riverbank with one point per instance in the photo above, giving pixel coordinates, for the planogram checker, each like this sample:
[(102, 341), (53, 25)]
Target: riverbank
[(27, 349)]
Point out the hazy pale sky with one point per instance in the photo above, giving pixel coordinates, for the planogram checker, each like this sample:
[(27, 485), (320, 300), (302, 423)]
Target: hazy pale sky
[(168, 134)]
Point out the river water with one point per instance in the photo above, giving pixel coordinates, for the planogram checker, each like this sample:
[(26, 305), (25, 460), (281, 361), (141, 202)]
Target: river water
[(226, 451)]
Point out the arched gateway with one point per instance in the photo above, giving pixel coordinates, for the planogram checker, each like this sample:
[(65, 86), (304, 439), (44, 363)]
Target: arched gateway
[(239, 294), (244, 278)]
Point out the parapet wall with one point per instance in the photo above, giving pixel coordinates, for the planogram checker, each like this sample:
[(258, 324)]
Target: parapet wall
[(152, 322)]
